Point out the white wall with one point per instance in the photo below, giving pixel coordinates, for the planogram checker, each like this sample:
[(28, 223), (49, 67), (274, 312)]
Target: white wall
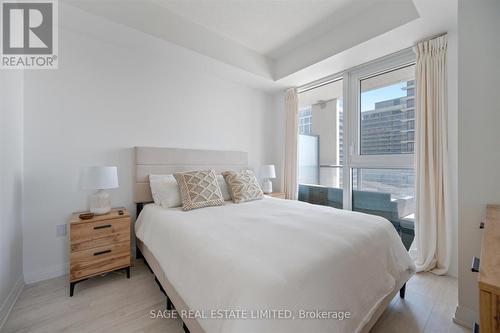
[(116, 89), (478, 136), (452, 61), (11, 244)]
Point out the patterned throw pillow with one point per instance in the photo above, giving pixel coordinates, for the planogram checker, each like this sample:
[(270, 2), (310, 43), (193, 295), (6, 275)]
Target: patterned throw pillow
[(243, 186), (199, 189)]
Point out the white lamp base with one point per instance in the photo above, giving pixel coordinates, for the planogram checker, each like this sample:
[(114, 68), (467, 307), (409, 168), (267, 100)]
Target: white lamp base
[(267, 186), (100, 203)]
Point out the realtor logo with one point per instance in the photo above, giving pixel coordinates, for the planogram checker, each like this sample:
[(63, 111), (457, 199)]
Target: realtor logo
[(29, 34)]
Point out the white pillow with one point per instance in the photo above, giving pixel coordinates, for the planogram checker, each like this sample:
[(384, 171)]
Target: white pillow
[(165, 191), (223, 188)]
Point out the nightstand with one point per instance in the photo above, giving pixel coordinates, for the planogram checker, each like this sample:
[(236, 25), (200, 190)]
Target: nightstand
[(98, 245), (280, 195)]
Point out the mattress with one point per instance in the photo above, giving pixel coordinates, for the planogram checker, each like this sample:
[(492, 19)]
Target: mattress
[(276, 265)]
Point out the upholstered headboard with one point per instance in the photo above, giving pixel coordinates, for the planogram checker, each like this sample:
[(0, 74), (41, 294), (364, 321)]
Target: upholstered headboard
[(162, 161)]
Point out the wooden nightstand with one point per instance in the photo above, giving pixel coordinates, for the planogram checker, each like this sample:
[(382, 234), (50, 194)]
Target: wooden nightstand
[(98, 245), (280, 195)]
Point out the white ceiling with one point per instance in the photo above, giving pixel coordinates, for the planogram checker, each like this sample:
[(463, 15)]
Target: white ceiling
[(435, 17), (261, 26), (282, 43)]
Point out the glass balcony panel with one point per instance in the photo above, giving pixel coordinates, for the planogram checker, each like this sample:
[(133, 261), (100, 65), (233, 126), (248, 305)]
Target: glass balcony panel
[(389, 193)]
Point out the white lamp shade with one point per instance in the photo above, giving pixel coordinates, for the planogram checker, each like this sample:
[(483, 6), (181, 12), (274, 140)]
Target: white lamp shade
[(100, 178), (267, 171)]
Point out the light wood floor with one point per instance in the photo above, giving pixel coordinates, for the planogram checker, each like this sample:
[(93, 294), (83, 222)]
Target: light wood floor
[(114, 304)]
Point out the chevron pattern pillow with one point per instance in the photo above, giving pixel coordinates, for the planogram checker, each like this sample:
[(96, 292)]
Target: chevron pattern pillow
[(199, 189), (243, 186)]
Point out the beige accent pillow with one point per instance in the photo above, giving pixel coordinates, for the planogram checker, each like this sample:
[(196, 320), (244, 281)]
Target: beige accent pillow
[(243, 186), (199, 189)]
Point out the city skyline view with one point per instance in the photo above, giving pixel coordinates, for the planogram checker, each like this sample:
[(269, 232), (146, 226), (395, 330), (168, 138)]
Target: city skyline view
[(370, 97)]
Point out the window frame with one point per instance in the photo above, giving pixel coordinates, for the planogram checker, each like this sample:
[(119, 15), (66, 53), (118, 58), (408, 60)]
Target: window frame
[(352, 121), (353, 158), (378, 67)]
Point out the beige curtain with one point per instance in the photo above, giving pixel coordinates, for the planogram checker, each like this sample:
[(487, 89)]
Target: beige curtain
[(290, 172), (432, 245)]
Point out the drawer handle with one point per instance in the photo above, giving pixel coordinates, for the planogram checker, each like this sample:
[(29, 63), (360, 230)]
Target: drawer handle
[(475, 264), (102, 226), (481, 225), (102, 252)]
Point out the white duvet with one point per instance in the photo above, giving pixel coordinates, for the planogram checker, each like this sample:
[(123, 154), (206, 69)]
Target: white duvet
[(275, 254)]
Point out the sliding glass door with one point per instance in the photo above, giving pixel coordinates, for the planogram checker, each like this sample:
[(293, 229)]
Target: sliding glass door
[(361, 157), (321, 144)]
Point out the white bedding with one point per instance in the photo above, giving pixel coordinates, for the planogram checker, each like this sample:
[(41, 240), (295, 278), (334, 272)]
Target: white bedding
[(276, 254)]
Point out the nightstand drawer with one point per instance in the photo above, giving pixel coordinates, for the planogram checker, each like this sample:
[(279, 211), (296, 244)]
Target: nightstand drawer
[(99, 233), (101, 241), (99, 260)]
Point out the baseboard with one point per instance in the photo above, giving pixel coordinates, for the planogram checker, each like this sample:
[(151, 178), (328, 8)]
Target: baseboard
[(11, 299), (465, 317), (46, 273)]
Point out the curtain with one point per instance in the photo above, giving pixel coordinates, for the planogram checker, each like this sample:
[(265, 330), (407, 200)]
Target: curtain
[(290, 172), (432, 228)]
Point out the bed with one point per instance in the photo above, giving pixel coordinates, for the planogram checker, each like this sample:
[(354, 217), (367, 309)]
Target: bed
[(263, 265)]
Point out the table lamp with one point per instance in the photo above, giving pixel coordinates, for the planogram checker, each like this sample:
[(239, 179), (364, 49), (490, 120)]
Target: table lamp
[(100, 178), (267, 172)]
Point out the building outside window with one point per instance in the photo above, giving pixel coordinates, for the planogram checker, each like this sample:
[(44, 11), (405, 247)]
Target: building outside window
[(305, 120), (388, 118)]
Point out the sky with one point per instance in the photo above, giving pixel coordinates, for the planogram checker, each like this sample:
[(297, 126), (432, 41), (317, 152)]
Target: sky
[(370, 97)]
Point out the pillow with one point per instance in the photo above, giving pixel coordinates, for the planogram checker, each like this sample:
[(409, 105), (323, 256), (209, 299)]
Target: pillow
[(243, 186), (165, 191), (199, 189), (223, 188)]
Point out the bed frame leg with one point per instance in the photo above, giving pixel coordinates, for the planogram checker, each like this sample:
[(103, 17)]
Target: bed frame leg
[(147, 265), (186, 329), (160, 286), (138, 253), (402, 291), (170, 305)]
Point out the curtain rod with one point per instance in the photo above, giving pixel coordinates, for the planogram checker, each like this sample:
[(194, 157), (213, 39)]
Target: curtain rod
[(313, 85), (432, 37)]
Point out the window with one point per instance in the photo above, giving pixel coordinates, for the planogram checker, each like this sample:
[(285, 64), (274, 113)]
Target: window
[(383, 141), (321, 144), (387, 112), (305, 120), (361, 157)]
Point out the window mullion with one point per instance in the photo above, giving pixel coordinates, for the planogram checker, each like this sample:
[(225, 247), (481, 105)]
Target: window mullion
[(348, 143)]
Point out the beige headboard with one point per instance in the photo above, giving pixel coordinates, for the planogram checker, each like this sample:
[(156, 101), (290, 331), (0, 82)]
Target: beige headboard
[(163, 161)]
